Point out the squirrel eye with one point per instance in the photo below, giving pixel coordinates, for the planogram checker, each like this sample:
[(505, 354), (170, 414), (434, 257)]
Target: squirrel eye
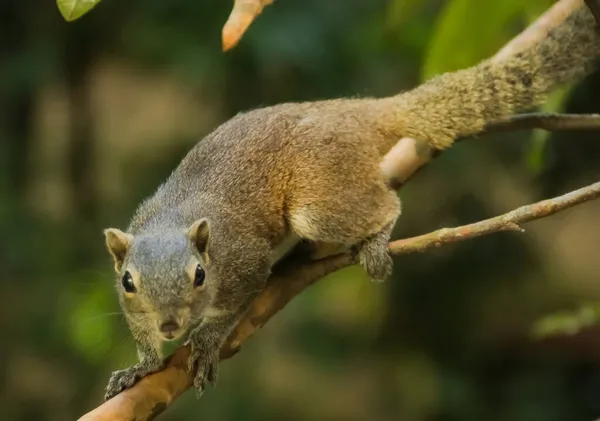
[(127, 282), (199, 276)]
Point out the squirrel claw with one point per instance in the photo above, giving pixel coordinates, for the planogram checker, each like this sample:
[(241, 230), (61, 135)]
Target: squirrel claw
[(124, 379), (213, 375), (374, 256), (207, 367)]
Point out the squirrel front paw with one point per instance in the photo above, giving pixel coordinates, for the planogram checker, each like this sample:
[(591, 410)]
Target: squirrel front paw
[(124, 379), (204, 358)]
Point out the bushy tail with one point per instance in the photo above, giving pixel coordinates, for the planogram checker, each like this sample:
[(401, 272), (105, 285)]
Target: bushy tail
[(461, 103)]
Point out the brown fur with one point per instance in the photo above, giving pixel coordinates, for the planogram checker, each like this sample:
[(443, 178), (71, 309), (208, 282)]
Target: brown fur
[(311, 171), (461, 103)]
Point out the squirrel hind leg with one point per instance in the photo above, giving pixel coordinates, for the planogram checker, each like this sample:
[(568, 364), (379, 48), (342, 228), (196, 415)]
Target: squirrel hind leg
[(365, 221), (374, 256)]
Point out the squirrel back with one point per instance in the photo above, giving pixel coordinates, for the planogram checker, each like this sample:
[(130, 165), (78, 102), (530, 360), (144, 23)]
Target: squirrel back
[(256, 163), (262, 164)]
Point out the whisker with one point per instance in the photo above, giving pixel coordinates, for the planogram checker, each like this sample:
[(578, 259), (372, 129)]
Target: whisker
[(90, 319), (105, 273), (98, 316)]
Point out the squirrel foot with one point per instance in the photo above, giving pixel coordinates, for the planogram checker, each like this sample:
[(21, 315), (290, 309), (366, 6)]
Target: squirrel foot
[(124, 379), (374, 256), (204, 358)]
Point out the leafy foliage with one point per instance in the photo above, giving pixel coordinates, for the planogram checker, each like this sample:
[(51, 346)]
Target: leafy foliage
[(490, 24), (568, 322), (74, 9)]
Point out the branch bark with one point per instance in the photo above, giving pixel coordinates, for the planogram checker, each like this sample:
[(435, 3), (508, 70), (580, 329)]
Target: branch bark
[(242, 15), (153, 394)]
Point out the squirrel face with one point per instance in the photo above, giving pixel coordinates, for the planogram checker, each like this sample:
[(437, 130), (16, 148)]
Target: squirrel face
[(162, 278)]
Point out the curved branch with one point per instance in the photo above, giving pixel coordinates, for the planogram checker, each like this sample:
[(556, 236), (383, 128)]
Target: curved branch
[(153, 394)]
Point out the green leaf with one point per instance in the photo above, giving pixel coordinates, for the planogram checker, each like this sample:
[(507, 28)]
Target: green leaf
[(568, 322), (74, 9), (535, 154), (91, 322), (468, 31), (533, 9), (399, 11)]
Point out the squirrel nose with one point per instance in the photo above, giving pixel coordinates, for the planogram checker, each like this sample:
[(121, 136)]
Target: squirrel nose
[(169, 326)]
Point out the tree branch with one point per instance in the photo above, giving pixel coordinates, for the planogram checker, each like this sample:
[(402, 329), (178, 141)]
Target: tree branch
[(539, 29), (153, 394), (545, 121), (242, 15), (409, 155), (507, 222)]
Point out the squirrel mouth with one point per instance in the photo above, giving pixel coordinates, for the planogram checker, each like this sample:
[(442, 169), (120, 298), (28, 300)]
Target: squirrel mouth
[(170, 336), (170, 330)]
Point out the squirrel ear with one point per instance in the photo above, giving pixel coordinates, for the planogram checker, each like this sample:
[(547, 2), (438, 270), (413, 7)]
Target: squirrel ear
[(117, 243), (199, 233)]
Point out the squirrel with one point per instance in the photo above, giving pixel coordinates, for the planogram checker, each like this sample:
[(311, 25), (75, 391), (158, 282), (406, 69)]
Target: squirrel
[(198, 251)]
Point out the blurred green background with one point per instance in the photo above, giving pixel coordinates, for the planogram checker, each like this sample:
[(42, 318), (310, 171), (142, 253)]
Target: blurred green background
[(94, 114)]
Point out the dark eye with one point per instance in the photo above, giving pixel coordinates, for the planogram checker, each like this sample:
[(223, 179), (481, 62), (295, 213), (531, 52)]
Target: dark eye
[(199, 276), (127, 282)]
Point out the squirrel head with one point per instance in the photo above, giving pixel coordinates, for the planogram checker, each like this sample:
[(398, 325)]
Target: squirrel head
[(163, 277)]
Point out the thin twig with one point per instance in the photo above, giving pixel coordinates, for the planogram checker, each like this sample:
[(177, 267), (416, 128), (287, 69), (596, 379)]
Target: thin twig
[(545, 121), (408, 156), (508, 222)]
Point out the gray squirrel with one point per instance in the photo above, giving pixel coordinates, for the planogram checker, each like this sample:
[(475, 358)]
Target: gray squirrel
[(198, 251)]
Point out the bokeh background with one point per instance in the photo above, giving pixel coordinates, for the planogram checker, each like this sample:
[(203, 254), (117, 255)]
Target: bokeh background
[(94, 114)]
